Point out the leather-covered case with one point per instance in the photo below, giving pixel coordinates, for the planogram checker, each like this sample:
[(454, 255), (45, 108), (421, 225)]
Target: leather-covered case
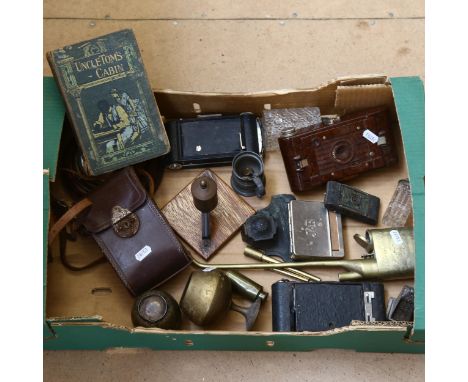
[(340, 150), (352, 202), (209, 141), (299, 306), (133, 234)]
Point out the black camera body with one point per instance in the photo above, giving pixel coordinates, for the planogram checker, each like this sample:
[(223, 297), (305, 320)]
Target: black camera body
[(301, 306), (213, 140)]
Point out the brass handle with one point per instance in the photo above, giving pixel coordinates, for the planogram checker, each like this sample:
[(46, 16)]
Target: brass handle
[(250, 313)]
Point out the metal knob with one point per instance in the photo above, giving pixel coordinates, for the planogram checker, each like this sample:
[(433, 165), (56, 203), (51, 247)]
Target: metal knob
[(205, 198)]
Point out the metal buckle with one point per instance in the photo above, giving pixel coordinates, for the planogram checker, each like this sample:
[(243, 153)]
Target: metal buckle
[(124, 222), (368, 297)]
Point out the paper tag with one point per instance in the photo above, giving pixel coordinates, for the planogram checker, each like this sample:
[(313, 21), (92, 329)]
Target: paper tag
[(142, 253), (396, 237), (370, 136)]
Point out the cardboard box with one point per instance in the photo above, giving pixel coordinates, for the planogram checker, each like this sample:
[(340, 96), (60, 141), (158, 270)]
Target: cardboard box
[(76, 316)]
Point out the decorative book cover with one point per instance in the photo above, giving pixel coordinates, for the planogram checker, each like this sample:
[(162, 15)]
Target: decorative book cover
[(109, 101)]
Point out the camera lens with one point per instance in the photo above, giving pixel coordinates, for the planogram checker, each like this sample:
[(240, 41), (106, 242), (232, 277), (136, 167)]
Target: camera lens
[(342, 152)]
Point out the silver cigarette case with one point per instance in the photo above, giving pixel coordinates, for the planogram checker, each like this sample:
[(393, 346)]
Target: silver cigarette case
[(315, 232)]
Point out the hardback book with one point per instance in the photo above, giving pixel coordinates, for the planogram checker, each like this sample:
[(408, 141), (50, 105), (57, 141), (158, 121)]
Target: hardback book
[(109, 101)]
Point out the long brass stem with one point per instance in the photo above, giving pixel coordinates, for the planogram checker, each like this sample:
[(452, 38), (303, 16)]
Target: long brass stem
[(355, 264), (291, 272)]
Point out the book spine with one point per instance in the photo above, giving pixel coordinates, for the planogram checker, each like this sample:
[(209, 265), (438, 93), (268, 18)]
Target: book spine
[(68, 108)]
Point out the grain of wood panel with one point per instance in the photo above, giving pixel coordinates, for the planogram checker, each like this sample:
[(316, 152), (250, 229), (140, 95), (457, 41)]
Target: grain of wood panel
[(225, 220), (228, 9), (237, 56), (324, 365)]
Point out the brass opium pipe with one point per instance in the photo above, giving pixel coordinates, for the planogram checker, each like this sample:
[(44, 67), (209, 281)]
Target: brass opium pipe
[(389, 261), (357, 269)]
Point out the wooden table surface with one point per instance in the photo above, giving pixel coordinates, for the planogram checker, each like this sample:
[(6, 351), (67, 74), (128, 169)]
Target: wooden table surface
[(246, 46)]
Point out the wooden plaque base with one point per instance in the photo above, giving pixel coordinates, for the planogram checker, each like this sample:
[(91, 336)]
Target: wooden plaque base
[(225, 220)]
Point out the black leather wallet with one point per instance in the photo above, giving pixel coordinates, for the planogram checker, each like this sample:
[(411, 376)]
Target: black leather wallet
[(208, 141), (299, 307)]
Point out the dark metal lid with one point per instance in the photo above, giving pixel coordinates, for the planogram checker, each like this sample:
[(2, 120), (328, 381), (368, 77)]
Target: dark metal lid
[(205, 193), (260, 226)]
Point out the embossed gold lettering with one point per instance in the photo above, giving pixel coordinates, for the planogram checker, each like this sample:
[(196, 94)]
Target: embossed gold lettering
[(110, 71), (103, 59)]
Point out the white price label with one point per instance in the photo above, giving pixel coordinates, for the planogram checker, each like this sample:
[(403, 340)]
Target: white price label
[(142, 253), (370, 136), (396, 237)]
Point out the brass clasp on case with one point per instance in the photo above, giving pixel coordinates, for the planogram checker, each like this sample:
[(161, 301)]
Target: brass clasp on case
[(124, 222)]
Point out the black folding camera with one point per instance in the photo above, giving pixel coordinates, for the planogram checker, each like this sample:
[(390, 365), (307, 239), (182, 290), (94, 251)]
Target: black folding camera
[(300, 306), (213, 140)]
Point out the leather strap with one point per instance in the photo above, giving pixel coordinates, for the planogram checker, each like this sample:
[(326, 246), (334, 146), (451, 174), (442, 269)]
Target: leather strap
[(67, 217), (77, 208), (74, 211), (60, 224), (150, 181), (70, 266)]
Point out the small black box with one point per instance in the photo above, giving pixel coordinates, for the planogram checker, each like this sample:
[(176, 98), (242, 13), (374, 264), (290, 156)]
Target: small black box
[(349, 201), (300, 306)]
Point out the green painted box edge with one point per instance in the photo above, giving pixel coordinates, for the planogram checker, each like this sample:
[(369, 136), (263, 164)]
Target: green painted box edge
[(409, 100), (52, 119), (96, 337)]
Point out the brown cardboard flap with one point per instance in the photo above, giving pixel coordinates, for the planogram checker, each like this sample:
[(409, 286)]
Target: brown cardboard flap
[(366, 79), (178, 104), (123, 190), (356, 97)]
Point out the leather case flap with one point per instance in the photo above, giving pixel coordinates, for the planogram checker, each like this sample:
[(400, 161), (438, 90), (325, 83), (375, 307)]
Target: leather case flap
[(123, 190)]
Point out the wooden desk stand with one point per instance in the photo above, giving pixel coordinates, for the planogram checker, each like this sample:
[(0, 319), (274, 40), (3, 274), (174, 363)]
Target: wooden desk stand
[(226, 219)]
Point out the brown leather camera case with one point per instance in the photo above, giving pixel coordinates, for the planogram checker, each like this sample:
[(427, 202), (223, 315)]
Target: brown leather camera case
[(133, 234), (314, 155)]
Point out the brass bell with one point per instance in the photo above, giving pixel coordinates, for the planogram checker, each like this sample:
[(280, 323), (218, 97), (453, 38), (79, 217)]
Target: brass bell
[(208, 296)]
